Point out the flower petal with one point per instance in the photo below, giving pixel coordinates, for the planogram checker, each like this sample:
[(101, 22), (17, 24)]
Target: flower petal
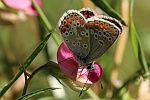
[(24, 5), (31, 11), (18, 4), (70, 67), (89, 76), (66, 61)]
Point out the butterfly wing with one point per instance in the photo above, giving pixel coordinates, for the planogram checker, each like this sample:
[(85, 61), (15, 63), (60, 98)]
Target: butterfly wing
[(73, 28), (103, 33)]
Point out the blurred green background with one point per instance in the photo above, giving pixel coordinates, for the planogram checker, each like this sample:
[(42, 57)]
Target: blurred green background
[(18, 41)]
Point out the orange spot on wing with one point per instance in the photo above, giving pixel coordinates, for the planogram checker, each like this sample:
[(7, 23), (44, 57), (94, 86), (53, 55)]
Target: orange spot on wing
[(76, 17), (62, 30), (85, 15), (81, 22), (68, 20), (96, 25), (65, 24), (91, 25), (72, 17), (106, 27), (114, 33), (110, 29), (101, 26)]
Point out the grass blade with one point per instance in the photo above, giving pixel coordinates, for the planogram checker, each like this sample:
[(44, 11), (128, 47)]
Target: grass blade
[(138, 49), (25, 97), (108, 9)]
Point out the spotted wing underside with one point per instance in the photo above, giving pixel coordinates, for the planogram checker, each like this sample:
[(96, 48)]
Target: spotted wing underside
[(103, 33), (74, 32)]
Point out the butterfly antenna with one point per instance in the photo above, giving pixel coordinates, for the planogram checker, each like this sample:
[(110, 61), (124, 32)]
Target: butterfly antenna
[(84, 85), (101, 85), (83, 88), (80, 73)]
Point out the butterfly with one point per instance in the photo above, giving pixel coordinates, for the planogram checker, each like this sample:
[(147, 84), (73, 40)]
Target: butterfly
[(88, 35)]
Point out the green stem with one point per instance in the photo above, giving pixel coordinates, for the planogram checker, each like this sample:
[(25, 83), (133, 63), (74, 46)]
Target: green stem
[(46, 22), (26, 82), (30, 77), (36, 71), (26, 64), (42, 16)]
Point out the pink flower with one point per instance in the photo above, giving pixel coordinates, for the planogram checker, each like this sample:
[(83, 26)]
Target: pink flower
[(23, 5), (70, 67)]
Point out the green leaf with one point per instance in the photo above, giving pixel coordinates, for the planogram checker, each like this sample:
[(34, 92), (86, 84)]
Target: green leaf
[(108, 9), (25, 97), (53, 69), (138, 49)]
